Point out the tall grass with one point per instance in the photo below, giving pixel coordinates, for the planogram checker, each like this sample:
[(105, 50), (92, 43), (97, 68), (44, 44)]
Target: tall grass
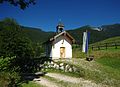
[(104, 69)]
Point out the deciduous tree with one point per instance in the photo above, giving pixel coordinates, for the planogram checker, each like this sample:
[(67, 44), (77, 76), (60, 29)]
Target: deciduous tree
[(13, 41), (21, 3)]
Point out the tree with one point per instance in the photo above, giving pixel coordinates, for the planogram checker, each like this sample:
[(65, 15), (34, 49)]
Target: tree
[(15, 43), (13, 40), (38, 48), (21, 3)]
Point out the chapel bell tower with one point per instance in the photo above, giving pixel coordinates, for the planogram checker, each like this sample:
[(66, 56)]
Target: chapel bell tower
[(60, 27)]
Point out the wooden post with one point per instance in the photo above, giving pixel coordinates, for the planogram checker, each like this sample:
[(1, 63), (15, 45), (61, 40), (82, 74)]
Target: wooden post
[(106, 46), (115, 45)]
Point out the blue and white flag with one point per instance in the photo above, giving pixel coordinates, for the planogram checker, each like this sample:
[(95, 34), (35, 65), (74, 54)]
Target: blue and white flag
[(86, 36)]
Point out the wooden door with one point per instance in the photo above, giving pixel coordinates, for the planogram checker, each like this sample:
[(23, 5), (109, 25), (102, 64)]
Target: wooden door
[(62, 52)]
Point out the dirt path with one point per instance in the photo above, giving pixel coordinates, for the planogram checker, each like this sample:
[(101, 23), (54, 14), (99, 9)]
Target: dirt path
[(45, 82), (81, 81)]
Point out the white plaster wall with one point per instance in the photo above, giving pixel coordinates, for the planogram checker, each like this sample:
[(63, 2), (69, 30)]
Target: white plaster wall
[(56, 47)]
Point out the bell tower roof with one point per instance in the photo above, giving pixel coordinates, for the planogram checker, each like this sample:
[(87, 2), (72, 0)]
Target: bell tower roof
[(60, 27)]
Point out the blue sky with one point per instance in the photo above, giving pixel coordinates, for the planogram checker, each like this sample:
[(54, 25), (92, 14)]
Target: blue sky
[(73, 13)]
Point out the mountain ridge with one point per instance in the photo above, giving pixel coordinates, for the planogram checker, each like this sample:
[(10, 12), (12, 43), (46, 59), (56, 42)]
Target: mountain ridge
[(106, 31), (38, 35)]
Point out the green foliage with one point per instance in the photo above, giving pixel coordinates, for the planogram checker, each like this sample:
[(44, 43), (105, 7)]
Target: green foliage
[(5, 63), (9, 79), (8, 76), (15, 52), (22, 3), (13, 41), (37, 35), (38, 49)]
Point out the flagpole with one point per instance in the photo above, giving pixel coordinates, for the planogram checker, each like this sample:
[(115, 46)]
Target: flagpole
[(87, 44)]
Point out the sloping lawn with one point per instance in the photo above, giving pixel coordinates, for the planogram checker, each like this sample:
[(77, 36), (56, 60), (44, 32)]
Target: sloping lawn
[(111, 62), (31, 84), (105, 68)]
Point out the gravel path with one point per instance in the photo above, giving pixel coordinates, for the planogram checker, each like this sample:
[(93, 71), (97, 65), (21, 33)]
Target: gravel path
[(45, 82), (81, 81)]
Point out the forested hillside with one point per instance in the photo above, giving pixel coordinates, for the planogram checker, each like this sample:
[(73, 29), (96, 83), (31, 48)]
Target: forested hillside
[(106, 31), (37, 35)]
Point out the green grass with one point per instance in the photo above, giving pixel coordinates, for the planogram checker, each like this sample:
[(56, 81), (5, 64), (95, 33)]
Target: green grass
[(111, 62), (112, 43), (104, 69), (109, 40), (99, 73), (31, 84), (77, 53), (110, 53)]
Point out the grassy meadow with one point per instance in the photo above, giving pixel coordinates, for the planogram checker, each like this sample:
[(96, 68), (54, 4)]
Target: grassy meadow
[(104, 69)]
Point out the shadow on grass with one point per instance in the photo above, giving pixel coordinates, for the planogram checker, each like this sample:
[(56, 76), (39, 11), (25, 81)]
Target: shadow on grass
[(30, 74), (26, 77)]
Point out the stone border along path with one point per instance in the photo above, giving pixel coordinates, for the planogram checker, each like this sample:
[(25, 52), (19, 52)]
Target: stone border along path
[(60, 77)]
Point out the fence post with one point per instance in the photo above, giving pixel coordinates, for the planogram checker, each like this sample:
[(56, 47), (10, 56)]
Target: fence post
[(106, 45), (115, 45)]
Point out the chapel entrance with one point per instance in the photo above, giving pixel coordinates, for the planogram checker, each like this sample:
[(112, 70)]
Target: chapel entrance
[(62, 52)]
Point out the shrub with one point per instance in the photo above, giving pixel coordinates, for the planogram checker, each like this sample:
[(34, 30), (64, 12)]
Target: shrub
[(8, 76), (9, 79)]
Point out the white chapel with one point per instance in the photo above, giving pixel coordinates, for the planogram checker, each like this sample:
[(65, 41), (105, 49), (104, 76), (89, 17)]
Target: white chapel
[(60, 45)]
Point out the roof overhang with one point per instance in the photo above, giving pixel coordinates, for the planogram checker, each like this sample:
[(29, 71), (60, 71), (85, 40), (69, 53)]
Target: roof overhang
[(62, 33)]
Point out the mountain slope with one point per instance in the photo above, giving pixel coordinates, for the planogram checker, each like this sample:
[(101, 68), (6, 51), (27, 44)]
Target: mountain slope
[(109, 40), (37, 35), (106, 31), (95, 35)]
